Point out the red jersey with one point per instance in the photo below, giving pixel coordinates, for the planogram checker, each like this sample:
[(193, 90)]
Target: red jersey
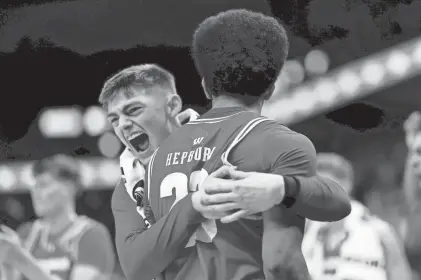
[(252, 143), (84, 241)]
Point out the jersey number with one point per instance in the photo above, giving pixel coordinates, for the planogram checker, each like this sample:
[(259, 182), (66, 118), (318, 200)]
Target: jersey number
[(183, 185), (333, 240)]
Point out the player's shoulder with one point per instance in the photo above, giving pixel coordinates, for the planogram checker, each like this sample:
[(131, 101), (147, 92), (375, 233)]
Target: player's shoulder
[(94, 228), (276, 128), (82, 227), (384, 229), (381, 226), (274, 133), (120, 198)]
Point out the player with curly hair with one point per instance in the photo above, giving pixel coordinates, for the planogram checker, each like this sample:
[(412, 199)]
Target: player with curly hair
[(239, 55)]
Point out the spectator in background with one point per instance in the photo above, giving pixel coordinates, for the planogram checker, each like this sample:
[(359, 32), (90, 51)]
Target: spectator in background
[(60, 244), (411, 230), (361, 246)]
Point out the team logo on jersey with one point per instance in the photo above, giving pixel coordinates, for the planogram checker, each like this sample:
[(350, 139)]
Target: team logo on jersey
[(198, 141)]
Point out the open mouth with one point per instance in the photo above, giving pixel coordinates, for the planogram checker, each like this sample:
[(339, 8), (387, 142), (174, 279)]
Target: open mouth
[(139, 141)]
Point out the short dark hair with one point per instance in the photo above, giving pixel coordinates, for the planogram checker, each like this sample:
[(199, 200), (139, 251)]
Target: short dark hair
[(335, 164), (61, 166), (147, 75), (239, 51)]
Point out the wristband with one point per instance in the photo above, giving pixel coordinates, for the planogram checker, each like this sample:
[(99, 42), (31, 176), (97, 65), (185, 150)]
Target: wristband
[(292, 190)]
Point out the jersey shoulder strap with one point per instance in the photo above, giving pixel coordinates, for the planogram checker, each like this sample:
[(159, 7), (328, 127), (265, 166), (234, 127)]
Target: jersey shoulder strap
[(71, 237), (149, 174), (34, 231)]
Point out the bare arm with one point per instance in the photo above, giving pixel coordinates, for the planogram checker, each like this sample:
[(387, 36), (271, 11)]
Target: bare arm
[(30, 268), (411, 184), (397, 265)]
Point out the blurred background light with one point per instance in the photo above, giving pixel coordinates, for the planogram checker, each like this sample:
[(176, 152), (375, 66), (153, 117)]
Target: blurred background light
[(95, 121), (316, 62), (65, 122), (7, 178), (372, 73), (109, 145), (398, 63)]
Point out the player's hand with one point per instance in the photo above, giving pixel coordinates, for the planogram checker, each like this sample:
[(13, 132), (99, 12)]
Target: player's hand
[(411, 126), (186, 116), (246, 192), (10, 245), (222, 202)]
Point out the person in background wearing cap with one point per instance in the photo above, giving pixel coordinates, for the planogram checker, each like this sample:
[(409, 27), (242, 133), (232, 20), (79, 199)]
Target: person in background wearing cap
[(60, 244), (360, 246)]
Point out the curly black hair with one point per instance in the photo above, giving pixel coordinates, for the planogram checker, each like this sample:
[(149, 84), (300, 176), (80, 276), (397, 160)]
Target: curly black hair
[(239, 51)]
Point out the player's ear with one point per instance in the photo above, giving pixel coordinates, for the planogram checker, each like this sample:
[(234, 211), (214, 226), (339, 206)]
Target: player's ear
[(268, 94), (174, 105), (208, 96)]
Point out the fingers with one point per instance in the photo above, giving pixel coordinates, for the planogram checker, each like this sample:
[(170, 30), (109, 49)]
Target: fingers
[(235, 216), (7, 230), (219, 186), (218, 198), (237, 174), (183, 117), (221, 208), (222, 172), (186, 116)]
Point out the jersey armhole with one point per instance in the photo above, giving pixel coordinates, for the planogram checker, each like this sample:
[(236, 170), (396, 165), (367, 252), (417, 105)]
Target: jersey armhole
[(149, 175), (240, 136)]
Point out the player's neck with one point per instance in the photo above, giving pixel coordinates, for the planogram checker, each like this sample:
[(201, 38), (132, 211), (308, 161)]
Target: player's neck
[(233, 100), (61, 220)]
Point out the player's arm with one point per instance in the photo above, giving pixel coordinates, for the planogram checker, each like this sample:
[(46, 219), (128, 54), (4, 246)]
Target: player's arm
[(397, 266), (24, 264), (9, 271), (95, 256), (294, 158), (145, 253), (411, 184)]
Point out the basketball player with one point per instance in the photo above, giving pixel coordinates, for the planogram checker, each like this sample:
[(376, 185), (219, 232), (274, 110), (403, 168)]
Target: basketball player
[(60, 244), (144, 108), (239, 54), (361, 246)]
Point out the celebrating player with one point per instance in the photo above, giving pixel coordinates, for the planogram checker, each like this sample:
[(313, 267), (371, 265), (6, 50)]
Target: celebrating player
[(60, 245), (133, 98), (361, 246)]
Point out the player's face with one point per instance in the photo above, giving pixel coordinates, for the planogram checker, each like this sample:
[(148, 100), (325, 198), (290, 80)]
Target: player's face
[(49, 195), (143, 120), (416, 155)]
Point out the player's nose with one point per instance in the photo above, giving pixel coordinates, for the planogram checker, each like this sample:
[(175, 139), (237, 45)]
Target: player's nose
[(125, 123)]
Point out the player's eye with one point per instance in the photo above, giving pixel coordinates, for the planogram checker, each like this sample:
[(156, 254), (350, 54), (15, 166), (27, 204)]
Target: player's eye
[(113, 121), (134, 110)]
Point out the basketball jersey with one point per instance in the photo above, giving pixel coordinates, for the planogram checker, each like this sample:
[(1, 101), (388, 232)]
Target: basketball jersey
[(348, 249), (57, 254), (180, 166)]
